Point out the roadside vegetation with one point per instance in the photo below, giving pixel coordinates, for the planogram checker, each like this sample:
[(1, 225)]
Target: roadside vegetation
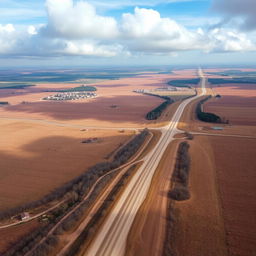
[(156, 112), (205, 116), (180, 177), (74, 192), (178, 192), (82, 184), (91, 228)]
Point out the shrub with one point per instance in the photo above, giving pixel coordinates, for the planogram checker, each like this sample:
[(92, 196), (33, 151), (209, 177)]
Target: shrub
[(179, 193)]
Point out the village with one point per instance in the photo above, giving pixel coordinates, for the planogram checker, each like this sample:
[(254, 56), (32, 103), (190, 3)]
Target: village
[(71, 96)]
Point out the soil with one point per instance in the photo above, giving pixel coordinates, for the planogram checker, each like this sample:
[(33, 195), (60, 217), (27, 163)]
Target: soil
[(237, 178), (36, 158), (13, 234), (198, 223), (237, 103)]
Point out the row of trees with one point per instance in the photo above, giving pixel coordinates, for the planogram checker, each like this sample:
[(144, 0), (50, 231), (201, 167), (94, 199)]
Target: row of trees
[(90, 229), (181, 174), (74, 191), (205, 116), (156, 112), (178, 191), (82, 184)]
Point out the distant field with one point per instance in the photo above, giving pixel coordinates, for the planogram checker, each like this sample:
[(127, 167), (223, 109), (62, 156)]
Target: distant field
[(75, 76), (237, 80), (184, 82), (14, 85), (233, 73), (77, 89)]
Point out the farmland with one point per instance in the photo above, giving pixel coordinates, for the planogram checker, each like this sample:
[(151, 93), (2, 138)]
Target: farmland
[(50, 143), (36, 158), (221, 177)]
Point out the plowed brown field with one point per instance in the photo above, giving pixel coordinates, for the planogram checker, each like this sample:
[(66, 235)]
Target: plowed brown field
[(36, 158), (237, 178), (237, 103)]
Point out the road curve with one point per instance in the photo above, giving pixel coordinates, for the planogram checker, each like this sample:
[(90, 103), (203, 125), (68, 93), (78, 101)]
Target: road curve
[(111, 240)]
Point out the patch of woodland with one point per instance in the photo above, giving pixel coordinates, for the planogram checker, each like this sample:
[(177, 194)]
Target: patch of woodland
[(205, 116), (156, 112), (91, 228), (179, 191), (180, 176)]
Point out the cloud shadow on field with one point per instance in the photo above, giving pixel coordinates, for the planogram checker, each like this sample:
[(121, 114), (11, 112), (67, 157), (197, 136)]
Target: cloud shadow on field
[(47, 163)]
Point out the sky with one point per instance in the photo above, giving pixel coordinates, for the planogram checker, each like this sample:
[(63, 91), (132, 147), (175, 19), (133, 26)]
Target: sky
[(129, 32)]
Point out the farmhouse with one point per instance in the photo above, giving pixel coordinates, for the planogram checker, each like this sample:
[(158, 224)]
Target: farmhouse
[(24, 216)]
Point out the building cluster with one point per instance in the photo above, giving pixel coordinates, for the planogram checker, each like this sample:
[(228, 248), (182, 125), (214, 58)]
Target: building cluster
[(71, 96)]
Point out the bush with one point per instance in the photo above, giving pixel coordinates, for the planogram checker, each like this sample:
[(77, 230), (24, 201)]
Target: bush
[(156, 112), (179, 193)]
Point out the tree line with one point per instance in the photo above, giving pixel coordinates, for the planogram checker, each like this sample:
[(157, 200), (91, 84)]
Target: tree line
[(90, 228), (156, 112), (74, 191), (82, 184), (205, 116), (178, 191), (181, 173)]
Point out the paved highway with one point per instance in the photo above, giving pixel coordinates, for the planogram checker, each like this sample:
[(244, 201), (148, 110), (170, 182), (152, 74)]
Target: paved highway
[(111, 240)]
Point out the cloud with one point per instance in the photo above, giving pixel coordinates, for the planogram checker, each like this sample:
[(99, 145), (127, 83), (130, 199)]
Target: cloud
[(91, 49), (245, 10), (7, 38), (225, 40), (146, 31), (76, 29), (77, 20)]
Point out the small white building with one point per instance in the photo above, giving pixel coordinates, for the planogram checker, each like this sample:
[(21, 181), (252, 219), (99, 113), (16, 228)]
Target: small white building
[(24, 216)]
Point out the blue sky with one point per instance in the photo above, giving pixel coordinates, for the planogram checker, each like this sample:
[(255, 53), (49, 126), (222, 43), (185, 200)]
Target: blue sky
[(152, 32)]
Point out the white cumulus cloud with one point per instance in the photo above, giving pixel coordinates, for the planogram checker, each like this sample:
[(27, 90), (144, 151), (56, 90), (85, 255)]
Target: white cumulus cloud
[(75, 28), (77, 20)]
